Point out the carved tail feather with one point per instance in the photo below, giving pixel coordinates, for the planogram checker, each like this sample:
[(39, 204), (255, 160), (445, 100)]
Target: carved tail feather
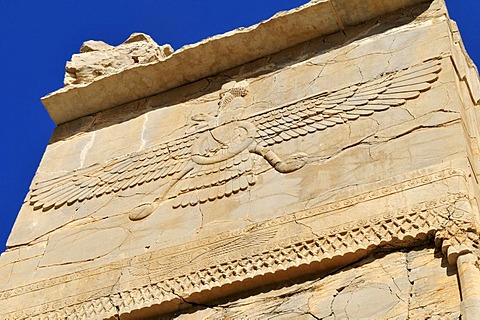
[(226, 189), (215, 181), (145, 209)]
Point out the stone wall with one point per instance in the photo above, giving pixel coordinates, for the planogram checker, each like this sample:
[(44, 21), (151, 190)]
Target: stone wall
[(414, 284), (298, 163)]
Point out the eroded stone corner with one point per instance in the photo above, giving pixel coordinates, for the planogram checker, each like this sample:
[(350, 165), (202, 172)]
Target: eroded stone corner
[(98, 59)]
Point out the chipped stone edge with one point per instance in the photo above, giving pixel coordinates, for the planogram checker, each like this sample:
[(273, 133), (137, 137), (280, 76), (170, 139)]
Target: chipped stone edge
[(312, 20), (466, 69)]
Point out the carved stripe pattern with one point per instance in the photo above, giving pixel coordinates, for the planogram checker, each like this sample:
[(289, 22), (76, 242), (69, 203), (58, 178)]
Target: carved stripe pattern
[(414, 222)]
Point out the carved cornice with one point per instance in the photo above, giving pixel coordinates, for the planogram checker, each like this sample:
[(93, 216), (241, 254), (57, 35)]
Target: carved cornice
[(284, 30), (262, 256), (458, 236)]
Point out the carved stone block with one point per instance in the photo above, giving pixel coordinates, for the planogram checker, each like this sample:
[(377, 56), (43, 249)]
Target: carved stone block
[(330, 173)]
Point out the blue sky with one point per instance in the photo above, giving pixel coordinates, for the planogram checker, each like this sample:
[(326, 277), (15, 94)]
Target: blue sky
[(38, 37)]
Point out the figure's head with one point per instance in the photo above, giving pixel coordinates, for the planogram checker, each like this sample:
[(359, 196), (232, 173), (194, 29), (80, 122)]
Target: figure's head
[(231, 90), (233, 110)]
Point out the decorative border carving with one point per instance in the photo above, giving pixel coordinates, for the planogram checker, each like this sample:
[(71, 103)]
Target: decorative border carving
[(422, 219), (459, 237)]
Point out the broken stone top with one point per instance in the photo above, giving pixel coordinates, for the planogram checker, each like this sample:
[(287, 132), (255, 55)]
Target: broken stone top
[(100, 66), (98, 59)]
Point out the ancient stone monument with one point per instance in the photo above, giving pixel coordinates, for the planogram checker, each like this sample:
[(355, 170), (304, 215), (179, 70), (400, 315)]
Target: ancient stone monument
[(322, 164)]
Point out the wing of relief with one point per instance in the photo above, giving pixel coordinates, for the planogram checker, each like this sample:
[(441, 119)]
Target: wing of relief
[(161, 162), (326, 110)]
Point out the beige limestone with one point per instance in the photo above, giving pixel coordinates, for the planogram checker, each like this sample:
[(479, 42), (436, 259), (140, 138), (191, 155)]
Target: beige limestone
[(412, 285), (98, 59), (290, 163)]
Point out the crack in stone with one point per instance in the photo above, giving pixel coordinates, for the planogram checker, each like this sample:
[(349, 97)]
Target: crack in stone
[(312, 315), (343, 149), (394, 282), (308, 227), (199, 229), (412, 283), (418, 128), (409, 113), (117, 308), (196, 304)]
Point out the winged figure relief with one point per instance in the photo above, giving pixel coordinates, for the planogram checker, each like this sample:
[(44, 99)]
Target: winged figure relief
[(216, 156)]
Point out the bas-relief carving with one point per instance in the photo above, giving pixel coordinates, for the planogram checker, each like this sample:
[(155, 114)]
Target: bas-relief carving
[(265, 91), (423, 219), (209, 130), (219, 153), (447, 216), (250, 252)]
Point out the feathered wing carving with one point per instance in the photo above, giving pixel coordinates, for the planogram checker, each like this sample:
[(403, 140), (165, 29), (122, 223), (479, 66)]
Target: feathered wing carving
[(214, 181), (192, 182), (161, 162), (329, 109)]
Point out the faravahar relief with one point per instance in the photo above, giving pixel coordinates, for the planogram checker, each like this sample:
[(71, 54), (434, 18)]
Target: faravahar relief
[(216, 156)]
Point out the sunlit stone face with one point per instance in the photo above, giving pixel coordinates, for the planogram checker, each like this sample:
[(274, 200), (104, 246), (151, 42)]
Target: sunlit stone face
[(281, 168)]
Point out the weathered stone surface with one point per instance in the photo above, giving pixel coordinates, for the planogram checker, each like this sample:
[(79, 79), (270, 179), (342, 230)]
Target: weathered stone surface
[(343, 155), (100, 242), (98, 59), (295, 164), (413, 285)]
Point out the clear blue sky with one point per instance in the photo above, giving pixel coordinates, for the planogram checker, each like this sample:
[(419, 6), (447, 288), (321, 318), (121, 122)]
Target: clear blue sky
[(38, 37)]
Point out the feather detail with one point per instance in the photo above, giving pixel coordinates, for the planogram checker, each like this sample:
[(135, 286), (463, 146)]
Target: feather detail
[(322, 111), (118, 174)]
